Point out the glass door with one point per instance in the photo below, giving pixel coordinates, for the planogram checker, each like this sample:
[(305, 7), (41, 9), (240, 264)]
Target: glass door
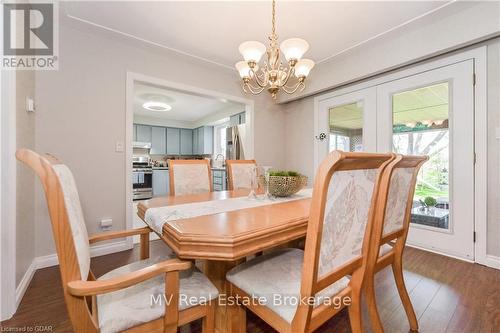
[(432, 114), (346, 122)]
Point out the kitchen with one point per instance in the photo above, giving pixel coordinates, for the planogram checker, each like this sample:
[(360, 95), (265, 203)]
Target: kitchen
[(171, 124)]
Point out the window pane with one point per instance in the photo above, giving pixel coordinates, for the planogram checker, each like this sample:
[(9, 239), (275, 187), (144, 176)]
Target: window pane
[(346, 127), (420, 127)]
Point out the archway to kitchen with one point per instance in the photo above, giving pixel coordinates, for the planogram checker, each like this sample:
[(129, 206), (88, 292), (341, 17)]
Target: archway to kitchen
[(167, 120)]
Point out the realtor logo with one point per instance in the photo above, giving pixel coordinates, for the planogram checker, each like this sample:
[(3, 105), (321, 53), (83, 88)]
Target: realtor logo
[(29, 36)]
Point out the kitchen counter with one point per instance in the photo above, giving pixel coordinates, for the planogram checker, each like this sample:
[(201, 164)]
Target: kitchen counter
[(160, 168), (220, 169)]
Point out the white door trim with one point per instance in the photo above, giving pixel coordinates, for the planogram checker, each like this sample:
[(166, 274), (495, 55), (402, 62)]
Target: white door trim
[(479, 55), (8, 195), (129, 119)]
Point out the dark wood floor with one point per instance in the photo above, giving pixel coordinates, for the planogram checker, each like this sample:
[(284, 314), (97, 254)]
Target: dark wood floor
[(448, 295)]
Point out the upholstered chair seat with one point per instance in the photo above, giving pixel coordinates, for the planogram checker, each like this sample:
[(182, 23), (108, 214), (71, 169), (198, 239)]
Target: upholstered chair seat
[(139, 304), (277, 275)]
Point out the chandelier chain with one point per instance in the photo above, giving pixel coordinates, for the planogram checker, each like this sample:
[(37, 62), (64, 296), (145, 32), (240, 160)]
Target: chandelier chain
[(274, 18)]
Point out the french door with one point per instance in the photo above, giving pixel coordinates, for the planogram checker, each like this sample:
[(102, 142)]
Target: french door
[(430, 113)]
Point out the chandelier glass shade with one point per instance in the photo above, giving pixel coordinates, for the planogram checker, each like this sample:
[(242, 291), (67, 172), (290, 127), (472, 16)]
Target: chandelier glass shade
[(273, 75)]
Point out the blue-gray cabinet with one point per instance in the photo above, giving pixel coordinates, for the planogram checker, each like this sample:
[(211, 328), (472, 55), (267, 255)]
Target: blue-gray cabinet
[(158, 140), (237, 119), (143, 133), (173, 141), (160, 182), (205, 140), (195, 141), (219, 180), (186, 141)]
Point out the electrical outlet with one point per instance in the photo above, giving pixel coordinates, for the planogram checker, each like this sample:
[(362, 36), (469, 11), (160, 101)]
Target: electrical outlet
[(106, 224)]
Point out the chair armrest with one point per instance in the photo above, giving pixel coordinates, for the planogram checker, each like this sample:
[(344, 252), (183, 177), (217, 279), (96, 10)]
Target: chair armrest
[(89, 288), (118, 234)]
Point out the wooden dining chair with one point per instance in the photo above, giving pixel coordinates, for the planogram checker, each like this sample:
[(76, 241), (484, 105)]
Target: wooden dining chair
[(190, 177), (390, 232), (337, 242), (122, 299), (240, 173)]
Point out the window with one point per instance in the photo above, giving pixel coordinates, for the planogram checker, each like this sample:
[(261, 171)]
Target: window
[(220, 139)]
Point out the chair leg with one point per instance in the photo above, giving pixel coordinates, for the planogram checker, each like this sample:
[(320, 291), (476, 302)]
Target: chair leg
[(208, 322), (355, 312), (397, 270), (369, 289)]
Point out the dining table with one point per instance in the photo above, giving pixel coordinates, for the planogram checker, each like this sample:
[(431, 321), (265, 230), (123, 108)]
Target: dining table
[(221, 229)]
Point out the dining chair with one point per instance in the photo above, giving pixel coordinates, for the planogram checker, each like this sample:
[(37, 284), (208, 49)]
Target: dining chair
[(189, 176), (240, 173), (328, 275), (143, 296), (393, 221)]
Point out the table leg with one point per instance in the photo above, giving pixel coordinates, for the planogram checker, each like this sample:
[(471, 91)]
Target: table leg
[(228, 319)]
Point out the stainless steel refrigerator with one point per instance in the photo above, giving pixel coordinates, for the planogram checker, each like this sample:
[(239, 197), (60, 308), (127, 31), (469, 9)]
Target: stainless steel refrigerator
[(235, 142)]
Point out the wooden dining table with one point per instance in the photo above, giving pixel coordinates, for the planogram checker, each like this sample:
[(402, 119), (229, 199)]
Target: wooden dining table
[(226, 239)]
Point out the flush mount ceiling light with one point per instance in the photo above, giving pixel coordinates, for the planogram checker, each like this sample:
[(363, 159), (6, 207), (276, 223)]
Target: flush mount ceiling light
[(157, 106), (273, 75)]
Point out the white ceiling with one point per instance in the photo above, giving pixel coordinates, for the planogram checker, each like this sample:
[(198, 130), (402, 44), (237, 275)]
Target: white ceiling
[(213, 30), (185, 107)]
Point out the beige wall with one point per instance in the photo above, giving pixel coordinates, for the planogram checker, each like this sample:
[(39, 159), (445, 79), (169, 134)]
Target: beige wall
[(25, 180), (81, 114), (300, 142)]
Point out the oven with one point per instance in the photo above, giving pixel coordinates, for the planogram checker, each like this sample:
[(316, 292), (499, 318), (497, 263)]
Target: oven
[(142, 180), (142, 172)]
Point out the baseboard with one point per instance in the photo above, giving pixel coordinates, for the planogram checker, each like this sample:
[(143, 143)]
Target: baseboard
[(95, 251), (25, 282), (492, 261)]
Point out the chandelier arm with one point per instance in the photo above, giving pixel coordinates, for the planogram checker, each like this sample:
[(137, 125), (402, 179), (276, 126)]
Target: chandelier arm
[(291, 90), (255, 76), (252, 89), (291, 71)]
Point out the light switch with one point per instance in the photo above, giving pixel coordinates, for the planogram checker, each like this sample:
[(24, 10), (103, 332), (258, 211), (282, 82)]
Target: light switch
[(119, 147), (30, 104)]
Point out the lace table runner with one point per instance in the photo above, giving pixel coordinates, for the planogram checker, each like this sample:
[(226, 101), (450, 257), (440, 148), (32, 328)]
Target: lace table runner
[(157, 217)]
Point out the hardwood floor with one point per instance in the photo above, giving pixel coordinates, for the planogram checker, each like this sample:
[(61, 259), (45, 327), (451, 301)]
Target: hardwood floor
[(448, 295)]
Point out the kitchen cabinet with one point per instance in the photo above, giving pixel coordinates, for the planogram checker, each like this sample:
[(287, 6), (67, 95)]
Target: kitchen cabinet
[(243, 116), (234, 120), (237, 119), (158, 141), (195, 141), (186, 141), (143, 133), (219, 180), (134, 135), (160, 182), (173, 141), (205, 142)]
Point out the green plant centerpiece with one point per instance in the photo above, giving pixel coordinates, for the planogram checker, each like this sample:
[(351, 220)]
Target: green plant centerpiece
[(284, 183), (430, 202)]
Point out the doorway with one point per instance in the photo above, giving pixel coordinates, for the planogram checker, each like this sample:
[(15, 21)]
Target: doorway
[(426, 113)]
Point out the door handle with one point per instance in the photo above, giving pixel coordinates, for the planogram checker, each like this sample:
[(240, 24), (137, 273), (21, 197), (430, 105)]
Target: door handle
[(321, 136)]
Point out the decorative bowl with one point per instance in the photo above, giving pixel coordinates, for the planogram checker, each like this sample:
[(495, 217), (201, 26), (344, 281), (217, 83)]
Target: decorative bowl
[(284, 186)]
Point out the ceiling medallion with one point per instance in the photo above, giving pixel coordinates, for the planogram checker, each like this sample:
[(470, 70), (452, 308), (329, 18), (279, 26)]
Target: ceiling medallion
[(273, 75)]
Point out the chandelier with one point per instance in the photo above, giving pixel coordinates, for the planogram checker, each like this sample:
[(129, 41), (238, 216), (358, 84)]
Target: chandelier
[(273, 75)]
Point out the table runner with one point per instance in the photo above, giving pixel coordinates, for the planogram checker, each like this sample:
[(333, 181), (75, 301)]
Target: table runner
[(157, 217)]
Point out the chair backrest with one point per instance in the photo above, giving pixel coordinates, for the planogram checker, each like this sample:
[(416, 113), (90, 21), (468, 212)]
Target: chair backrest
[(68, 227), (240, 173), (340, 222), (189, 176), (399, 198)]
